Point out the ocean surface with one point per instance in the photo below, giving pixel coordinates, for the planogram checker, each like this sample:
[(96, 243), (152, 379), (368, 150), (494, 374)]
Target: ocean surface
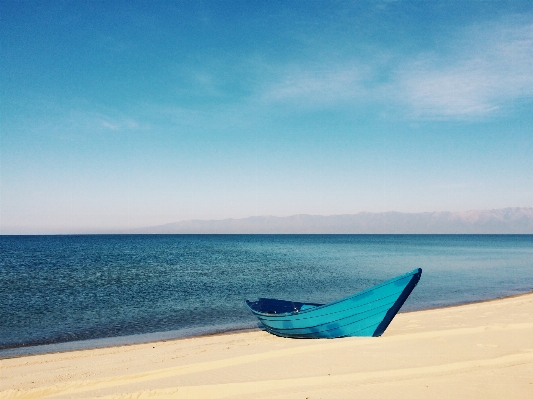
[(67, 292)]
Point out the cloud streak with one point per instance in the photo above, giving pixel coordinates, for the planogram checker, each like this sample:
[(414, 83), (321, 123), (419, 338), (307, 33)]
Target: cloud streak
[(479, 72), (492, 67), (319, 86)]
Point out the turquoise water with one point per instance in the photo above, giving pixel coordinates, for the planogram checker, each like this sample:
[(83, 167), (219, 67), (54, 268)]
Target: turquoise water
[(92, 290)]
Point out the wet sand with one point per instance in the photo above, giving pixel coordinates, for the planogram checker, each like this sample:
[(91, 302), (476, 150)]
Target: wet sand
[(481, 350)]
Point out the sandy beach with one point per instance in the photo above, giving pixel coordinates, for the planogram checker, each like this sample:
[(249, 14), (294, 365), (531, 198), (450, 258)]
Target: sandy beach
[(481, 350)]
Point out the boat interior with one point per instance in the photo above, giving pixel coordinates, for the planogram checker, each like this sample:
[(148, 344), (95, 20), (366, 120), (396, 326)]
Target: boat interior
[(278, 306)]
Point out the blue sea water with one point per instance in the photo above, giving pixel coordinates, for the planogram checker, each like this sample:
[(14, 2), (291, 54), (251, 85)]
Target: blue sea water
[(93, 290)]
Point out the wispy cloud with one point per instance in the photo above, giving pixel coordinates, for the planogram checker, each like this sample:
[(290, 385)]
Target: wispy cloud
[(82, 123), (318, 86), (117, 124), (489, 68), (480, 71), (75, 123)]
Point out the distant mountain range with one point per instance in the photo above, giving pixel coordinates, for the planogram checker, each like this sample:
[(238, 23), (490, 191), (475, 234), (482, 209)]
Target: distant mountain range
[(494, 221)]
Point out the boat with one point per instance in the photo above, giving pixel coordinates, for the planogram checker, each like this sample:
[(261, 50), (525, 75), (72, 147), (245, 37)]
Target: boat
[(365, 314)]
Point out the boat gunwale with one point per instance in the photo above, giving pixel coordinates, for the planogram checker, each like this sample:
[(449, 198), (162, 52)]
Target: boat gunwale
[(344, 310), (291, 314)]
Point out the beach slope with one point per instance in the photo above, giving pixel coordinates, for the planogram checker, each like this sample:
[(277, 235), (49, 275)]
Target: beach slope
[(482, 350)]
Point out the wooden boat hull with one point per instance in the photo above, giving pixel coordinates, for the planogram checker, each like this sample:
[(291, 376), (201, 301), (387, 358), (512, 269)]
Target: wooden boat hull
[(365, 314)]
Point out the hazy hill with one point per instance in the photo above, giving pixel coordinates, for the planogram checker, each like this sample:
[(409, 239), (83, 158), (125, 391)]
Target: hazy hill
[(495, 221)]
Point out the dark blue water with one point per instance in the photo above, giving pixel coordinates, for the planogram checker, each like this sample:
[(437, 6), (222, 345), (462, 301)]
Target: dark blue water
[(57, 289)]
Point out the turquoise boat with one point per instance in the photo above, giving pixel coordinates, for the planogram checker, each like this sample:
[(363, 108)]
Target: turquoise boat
[(365, 314)]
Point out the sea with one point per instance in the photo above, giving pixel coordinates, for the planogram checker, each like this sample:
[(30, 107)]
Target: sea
[(69, 292)]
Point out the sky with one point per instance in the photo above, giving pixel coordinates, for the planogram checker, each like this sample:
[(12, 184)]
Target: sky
[(124, 114)]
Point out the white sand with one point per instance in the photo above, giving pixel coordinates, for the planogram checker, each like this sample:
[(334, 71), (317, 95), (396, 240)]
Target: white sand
[(482, 350)]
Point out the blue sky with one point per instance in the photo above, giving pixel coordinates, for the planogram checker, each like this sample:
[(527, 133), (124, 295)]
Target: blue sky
[(126, 114)]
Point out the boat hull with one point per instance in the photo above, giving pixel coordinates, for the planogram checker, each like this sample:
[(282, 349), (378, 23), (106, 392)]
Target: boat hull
[(365, 314)]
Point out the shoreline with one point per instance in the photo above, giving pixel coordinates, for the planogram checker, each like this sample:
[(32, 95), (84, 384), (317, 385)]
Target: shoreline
[(477, 350), (472, 303), (75, 346)]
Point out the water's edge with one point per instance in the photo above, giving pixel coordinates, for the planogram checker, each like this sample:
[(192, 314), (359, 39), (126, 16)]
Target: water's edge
[(80, 292), (164, 336)]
